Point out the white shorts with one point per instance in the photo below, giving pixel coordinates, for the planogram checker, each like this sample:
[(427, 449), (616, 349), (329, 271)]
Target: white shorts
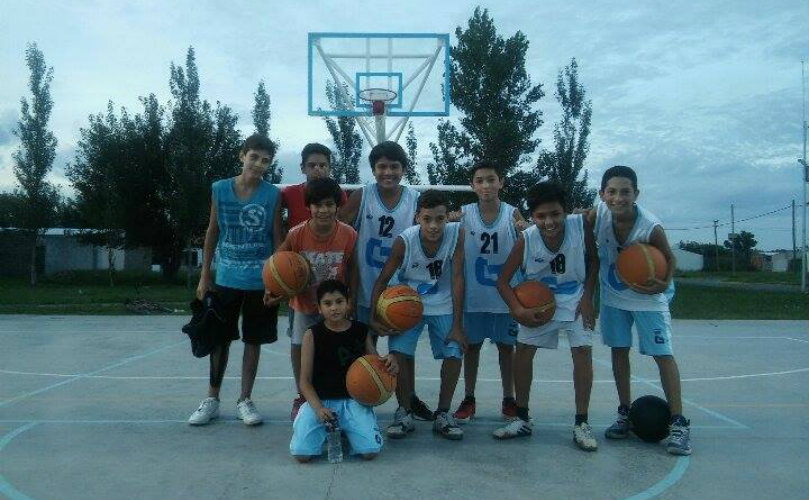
[(302, 322), (547, 335), (357, 422)]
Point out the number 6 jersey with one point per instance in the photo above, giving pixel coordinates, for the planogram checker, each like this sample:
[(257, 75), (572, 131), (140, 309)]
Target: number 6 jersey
[(564, 271)]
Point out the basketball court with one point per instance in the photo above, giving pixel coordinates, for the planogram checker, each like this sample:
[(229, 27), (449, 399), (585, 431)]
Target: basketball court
[(96, 408)]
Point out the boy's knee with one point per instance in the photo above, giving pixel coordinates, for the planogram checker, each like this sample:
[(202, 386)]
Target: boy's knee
[(504, 348)]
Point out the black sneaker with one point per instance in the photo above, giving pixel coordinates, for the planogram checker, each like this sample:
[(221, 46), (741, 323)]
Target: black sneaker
[(420, 409)]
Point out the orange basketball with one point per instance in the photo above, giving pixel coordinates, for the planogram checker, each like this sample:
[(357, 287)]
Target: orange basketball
[(638, 263), (285, 274), (369, 382), (399, 307), (536, 295)]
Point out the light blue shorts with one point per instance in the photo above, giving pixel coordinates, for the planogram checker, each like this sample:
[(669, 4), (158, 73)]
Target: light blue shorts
[(357, 422), (499, 327), (363, 314), (653, 327), (439, 327)]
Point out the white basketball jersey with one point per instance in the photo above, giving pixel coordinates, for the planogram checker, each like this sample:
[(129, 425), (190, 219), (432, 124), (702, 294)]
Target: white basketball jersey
[(486, 247), (377, 227), (564, 271), (614, 292), (431, 276)]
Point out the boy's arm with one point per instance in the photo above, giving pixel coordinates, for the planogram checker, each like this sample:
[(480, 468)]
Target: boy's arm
[(523, 316), (277, 236), (519, 222), (390, 359), (591, 255), (658, 240), (270, 299), (353, 279), (456, 331), (348, 212), (392, 264), (307, 389), (211, 237)]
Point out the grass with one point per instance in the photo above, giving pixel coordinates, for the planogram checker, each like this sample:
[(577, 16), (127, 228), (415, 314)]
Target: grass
[(698, 302), (745, 276)]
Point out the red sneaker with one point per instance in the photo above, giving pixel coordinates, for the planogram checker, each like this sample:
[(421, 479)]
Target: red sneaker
[(509, 409), (466, 411), (296, 406)]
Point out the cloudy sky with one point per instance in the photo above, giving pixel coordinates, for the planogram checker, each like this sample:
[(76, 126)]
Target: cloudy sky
[(703, 98)]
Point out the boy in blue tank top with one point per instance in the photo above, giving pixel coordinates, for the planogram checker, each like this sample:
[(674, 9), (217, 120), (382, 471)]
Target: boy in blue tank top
[(244, 229), (429, 259), (619, 222)]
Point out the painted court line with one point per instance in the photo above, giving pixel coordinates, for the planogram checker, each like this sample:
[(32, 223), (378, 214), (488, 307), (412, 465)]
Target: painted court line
[(6, 488), (667, 482)]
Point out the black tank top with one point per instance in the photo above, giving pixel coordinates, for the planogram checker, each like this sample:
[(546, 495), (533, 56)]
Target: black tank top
[(334, 353)]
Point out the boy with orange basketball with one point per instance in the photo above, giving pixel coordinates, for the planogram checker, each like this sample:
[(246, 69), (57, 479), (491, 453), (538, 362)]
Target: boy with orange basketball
[(619, 222), (328, 349), (558, 251), (244, 229), (429, 259), (328, 245)]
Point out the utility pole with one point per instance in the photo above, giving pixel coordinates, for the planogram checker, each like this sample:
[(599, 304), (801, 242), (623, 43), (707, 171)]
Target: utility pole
[(716, 244), (794, 241), (732, 241), (805, 179)]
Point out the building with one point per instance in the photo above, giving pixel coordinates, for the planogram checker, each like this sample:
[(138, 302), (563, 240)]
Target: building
[(688, 261)]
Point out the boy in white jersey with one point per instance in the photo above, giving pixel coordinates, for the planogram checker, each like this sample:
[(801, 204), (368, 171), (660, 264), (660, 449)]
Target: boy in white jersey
[(490, 235), (429, 259), (559, 251), (619, 222), (379, 212)]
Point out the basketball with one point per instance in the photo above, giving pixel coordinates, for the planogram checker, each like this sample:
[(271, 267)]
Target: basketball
[(285, 274), (638, 263), (650, 416), (399, 307), (369, 382), (536, 295)]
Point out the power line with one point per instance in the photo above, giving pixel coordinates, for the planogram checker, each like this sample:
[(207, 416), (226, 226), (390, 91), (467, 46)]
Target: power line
[(711, 226)]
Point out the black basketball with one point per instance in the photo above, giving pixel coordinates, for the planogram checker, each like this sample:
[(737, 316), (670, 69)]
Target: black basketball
[(650, 418)]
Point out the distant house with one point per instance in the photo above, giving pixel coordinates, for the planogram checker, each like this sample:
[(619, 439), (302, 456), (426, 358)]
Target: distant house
[(60, 250), (779, 260), (688, 261)]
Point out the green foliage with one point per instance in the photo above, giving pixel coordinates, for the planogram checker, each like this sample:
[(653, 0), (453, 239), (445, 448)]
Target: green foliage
[(261, 120), (412, 174), (343, 131), (565, 162)]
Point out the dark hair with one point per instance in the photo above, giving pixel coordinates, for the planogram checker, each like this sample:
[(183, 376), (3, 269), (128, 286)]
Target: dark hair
[(545, 192), (315, 148), (619, 171), (483, 164), (258, 142), (430, 199), (330, 286), (322, 189), (390, 150)]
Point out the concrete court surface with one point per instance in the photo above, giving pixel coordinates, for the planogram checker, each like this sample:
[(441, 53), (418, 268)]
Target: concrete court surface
[(95, 408)]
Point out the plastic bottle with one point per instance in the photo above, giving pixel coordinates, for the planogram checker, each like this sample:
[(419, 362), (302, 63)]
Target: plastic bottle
[(334, 443)]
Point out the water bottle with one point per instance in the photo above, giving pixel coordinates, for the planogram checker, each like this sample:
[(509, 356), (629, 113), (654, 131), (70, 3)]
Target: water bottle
[(334, 442)]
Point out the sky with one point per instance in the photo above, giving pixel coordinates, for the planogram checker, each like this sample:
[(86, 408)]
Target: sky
[(704, 99)]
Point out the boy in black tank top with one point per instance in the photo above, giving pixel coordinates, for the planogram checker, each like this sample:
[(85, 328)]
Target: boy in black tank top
[(327, 351)]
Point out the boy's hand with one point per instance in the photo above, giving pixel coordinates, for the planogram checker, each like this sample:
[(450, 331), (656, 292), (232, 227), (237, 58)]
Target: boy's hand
[(325, 415), (391, 364), (651, 286), (585, 309), (457, 335), (520, 225), (205, 285), (381, 329), (527, 317), (270, 299), (454, 216)]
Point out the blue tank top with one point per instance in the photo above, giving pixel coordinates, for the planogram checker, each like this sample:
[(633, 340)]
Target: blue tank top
[(245, 234)]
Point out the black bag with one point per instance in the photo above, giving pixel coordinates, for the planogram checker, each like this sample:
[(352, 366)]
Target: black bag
[(206, 325)]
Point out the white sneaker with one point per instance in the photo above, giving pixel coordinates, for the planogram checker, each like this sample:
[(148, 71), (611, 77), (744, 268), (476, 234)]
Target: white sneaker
[(246, 411), (446, 426), (402, 424), (515, 428), (207, 411), (583, 437)]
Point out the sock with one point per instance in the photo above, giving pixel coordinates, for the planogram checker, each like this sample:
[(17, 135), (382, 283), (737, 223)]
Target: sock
[(442, 410), (679, 420), (470, 397), (581, 418), (623, 410), (508, 399), (522, 412)]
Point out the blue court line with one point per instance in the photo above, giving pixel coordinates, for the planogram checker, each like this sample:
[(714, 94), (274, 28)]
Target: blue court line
[(6, 488), (667, 482), (96, 372)]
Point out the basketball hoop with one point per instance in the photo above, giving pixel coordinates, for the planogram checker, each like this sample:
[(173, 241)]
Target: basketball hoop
[(377, 97)]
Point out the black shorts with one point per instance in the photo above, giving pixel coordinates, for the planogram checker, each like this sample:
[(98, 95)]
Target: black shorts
[(259, 322)]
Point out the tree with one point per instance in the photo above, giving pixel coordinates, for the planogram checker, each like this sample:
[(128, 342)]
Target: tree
[(565, 162), (450, 165), (347, 141), (261, 121), (412, 174), (34, 158), (744, 243)]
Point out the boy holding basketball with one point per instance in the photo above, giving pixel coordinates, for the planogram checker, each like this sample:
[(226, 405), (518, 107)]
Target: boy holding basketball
[(619, 222), (379, 212), (429, 259), (559, 251), (328, 349), (244, 229), (328, 245)]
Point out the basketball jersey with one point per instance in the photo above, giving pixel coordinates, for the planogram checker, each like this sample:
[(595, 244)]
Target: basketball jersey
[(245, 234), (377, 228), (614, 292), (564, 271), (431, 277), (486, 247), (334, 354)]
